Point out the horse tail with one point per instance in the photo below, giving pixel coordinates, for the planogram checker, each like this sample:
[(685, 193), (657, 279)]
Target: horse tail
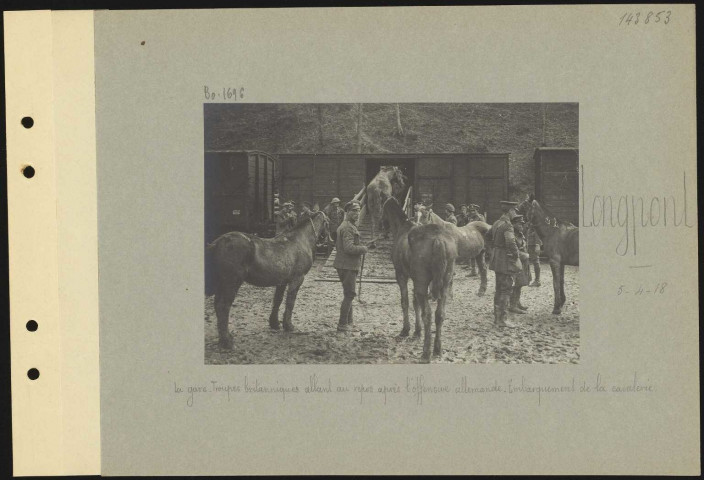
[(438, 257), (210, 276)]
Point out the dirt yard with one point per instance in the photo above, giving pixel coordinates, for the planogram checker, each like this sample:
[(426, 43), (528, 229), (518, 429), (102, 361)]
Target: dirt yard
[(468, 332)]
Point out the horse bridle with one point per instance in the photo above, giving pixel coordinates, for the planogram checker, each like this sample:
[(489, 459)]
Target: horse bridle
[(310, 219)]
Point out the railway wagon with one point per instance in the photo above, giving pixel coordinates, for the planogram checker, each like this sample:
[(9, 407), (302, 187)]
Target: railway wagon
[(557, 181), (239, 192), (436, 178)]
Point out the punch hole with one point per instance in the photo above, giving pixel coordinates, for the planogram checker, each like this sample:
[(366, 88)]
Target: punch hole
[(28, 171), (33, 373), (32, 326), (27, 122)]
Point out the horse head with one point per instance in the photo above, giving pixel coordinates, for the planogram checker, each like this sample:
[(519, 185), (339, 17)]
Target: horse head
[(423, 214), (322, 229), (396, 178)]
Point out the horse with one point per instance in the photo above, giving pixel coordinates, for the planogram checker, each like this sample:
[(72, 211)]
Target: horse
[(235, 258), (400, 225), (467, 236), (389, 182), (560, 244), (434, 250)]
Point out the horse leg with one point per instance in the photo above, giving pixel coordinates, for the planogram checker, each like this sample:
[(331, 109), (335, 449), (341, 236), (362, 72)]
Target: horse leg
[(293, 287), (418, 309), (224, 296), (482, 274), (555, 269), (403, 285), (563, 298), (439, 317), (278, 298), (420, 291)]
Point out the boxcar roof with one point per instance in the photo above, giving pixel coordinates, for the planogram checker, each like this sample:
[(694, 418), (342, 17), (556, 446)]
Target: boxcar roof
[(241, 151), (415, 154), (555, 149)]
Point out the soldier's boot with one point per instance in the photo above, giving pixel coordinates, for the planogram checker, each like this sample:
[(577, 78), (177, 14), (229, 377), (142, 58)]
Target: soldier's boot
[(518, 300), (503, 312), (344, 310), (350, 316), (497, 316), (536, 282), (472, 268), (513, 303)]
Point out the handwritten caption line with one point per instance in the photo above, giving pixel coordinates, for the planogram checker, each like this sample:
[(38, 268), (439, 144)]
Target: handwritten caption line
[(418, 387)]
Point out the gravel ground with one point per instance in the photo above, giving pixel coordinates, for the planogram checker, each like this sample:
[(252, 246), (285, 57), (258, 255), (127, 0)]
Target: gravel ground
[(468, 332)]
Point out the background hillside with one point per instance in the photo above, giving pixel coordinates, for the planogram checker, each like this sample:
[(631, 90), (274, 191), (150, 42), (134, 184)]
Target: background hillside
[(516, 128)]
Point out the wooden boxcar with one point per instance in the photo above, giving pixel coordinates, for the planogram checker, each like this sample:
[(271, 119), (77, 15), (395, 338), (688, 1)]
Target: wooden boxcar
[(239, 192), (557, 181), (437, 178)]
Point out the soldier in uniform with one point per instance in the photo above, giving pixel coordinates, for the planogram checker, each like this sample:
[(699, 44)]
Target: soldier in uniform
[(306, 210), (347, 261), (534, 247), (450, 214), (336, 215), (523, 278), (462, 218), (504, 262), (473, 215), (282, 219)]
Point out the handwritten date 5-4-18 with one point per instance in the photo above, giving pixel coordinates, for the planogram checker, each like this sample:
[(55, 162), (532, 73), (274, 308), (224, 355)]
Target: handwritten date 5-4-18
[(641, 290), (227, 93), (645, 18)]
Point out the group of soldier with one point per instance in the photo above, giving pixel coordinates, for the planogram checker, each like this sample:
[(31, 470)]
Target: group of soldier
[(286, 216)]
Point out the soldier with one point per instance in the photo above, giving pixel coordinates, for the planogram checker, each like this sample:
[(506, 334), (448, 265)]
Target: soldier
[(292, 215), (306, 210), (504, 262), (534, 247), (523, 278), (462, 218), (336, 215), (473, 215), (282, 219), (450, 214), (347, 261)]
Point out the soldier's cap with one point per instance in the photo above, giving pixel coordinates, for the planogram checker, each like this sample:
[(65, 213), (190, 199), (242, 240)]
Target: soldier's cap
[(335, 200), (516, 217), (508, 204), (293, 203), (307, 204), (352, 205), (287, 204), (473, 206), (450, 207), (463, 205)]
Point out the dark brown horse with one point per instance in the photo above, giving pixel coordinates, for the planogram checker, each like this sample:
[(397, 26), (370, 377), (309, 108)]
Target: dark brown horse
[(560, 244), (433, 251), (235, 258), (388, 182), (400, 225)]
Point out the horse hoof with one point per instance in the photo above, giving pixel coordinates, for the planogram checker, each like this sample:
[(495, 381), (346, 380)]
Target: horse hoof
[(416, 334), (274, 325), (404, 332), (226, 343), (437, 352), (481, 293), (556, 311), (288, 327), (425, 359)]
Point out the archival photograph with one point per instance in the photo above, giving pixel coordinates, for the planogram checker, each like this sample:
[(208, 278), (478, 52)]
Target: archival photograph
[(394, 233)]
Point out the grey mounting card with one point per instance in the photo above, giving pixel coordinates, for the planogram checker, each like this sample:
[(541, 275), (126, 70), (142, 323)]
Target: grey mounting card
[(205, 307)]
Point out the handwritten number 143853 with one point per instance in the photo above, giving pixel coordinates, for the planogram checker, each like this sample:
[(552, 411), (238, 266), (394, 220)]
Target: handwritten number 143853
[(635, 18)]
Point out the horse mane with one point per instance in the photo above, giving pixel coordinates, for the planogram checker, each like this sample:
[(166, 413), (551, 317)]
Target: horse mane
[(303, 222)]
